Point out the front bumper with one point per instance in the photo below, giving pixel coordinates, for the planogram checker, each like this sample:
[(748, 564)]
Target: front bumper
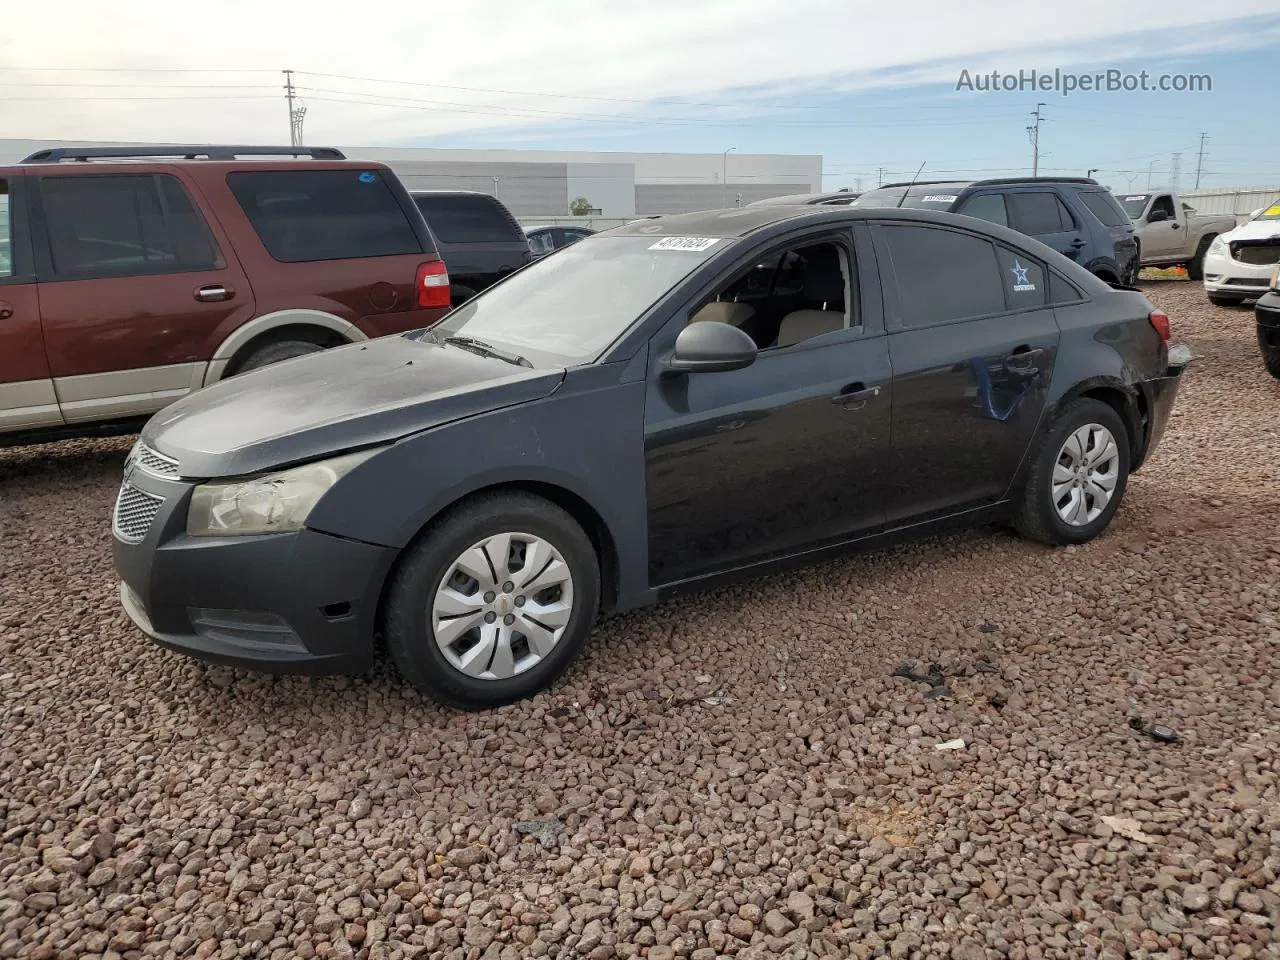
[(1224, 274), (302, 602), (1160, 393), (1267, 312)]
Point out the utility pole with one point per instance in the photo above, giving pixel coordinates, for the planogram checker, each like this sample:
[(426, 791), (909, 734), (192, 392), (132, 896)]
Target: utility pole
[(1204, 138), (879, 176), (296, 114), (1033, 131), (724, 177)]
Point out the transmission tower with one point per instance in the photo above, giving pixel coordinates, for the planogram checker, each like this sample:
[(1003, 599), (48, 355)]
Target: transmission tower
[(1175, 171)]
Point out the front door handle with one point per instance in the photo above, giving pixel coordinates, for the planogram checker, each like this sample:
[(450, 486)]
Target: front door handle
[(214, 293), (1078, 242), (1176, 225), (6, 310), (855, 396)]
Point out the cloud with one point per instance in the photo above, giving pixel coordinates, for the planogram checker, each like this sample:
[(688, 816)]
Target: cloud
[(664, 62)]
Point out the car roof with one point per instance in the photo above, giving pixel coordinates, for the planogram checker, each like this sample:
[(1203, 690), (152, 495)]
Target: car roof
[(452, 193)]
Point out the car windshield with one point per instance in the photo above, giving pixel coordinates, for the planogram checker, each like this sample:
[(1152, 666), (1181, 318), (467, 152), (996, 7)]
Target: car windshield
[(1134, 204), (1272, 212), (567, 309)]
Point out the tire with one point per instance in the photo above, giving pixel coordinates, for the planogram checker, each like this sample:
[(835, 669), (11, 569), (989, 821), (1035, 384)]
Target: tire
[(1270, 358), (1037, 516), (411, 612), (1225, 300), (275, 352), (1195, 266)]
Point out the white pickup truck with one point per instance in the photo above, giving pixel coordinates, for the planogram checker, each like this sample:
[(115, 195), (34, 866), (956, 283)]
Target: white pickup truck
[(1169, 231)]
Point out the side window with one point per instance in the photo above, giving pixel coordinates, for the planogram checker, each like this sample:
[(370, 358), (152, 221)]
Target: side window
[(1103, 206), (124, 225), (1067, 221), (1165, 203), (788, 296), (1062, 290), (541, 242), (1023, 279), (302, 216), (986, 206), (6, 232), (1038, 214), (943, 275)]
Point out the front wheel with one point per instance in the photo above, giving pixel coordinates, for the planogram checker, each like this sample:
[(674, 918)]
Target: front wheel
[(494, 603), (1195, 266), (1079, 472), (1270, 357)]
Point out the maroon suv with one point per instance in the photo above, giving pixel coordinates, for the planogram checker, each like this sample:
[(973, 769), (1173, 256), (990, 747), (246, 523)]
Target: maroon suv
[(130, 277)]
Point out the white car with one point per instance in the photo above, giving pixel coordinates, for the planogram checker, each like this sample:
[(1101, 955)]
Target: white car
[(1239, 263)]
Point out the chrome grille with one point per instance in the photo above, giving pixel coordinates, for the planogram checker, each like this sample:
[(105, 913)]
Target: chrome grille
[(135, 511), (154, 463)]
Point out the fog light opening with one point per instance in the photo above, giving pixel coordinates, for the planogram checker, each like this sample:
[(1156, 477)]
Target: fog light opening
[(337, 611)]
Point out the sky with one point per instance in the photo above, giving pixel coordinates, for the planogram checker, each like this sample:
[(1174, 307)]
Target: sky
[(870, 87)]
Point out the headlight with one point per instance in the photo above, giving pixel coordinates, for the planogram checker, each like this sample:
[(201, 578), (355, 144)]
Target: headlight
[(274, 503), (1218, 247)]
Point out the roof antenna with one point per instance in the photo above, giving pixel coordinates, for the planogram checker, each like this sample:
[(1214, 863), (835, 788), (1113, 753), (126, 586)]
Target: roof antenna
[(903, 199)]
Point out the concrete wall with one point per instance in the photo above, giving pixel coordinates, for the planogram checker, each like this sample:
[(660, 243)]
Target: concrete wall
[(687, 197), (1239, 201), (525, 188)]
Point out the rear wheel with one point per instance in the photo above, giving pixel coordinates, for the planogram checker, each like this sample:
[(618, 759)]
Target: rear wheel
[(1195, 266), (1225, 300), (275, 352), (1078, 475), (494, 603)]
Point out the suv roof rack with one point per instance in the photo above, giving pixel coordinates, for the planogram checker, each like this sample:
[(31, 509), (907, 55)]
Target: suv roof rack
[(1035, 180), (180, 151)]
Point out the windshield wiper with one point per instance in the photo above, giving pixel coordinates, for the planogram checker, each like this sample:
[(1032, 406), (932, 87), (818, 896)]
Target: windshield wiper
[(479, 346)]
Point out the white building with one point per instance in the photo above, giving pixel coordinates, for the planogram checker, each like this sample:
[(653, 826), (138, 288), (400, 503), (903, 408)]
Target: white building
[(543, 183)]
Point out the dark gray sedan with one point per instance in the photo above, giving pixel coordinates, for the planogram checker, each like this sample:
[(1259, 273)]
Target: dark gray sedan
[(661, 406)]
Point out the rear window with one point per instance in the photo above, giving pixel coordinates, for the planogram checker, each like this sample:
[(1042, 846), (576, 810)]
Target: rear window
[(467, 218), (308, 215), (1103, 206)]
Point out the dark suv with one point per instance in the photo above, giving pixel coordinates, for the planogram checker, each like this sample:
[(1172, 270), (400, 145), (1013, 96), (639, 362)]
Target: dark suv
[(132, 276), (1076, 216), (479, 239)]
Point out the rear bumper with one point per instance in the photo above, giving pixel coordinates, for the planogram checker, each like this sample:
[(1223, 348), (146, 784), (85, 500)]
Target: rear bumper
[(386, 324), (1160, 393)]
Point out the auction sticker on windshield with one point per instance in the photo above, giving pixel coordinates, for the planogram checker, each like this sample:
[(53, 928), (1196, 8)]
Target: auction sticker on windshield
[(690, 244), (938, 198)]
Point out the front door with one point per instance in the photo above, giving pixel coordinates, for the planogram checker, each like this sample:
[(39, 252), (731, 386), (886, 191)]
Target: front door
[(27, 400), (780, 456), (973, 343), (1163, 240), (134, 289)]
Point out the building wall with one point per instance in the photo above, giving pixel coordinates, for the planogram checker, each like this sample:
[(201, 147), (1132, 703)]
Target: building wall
[(688, 197), (525, 188)]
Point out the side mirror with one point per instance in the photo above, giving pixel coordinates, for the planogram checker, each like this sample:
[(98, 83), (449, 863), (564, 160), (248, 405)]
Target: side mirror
[(1156, 216), (709, 346), (1255, 213)]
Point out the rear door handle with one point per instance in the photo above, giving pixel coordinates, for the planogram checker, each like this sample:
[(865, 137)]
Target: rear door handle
[(214, 293), (855, 396), (1024, 357)]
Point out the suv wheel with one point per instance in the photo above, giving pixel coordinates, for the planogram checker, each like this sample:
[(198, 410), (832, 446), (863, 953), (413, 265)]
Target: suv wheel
[(1270, 357), (1225, 300), (1079, 472), (1195, 266), (275, 352), (494, 603)]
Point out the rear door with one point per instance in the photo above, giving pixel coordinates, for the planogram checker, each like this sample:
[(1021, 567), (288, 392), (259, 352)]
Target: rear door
[(27, 398), (134, 284), (973, 343), (1043, 215)]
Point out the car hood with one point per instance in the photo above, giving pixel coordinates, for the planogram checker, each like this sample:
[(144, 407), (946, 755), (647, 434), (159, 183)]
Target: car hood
[(1254, 230), (351, 396)]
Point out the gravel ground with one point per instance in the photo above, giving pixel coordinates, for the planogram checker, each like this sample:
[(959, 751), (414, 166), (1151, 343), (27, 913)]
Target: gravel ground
[(737, 774)]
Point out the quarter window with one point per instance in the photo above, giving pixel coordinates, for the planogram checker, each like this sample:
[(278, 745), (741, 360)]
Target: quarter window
[(1062, 290), (309, 215), (986, 206), (124, 225), (1039, 214), (943, 275), (6, 232)]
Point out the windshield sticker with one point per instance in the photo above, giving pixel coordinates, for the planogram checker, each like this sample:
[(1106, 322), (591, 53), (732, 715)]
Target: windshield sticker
[(1020, 282), (1133, 199), (689, 244), (938, 198), (1272, 211)]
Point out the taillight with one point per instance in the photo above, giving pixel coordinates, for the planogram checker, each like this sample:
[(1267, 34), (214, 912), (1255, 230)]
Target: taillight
[(433, 285), (1160, 320)]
